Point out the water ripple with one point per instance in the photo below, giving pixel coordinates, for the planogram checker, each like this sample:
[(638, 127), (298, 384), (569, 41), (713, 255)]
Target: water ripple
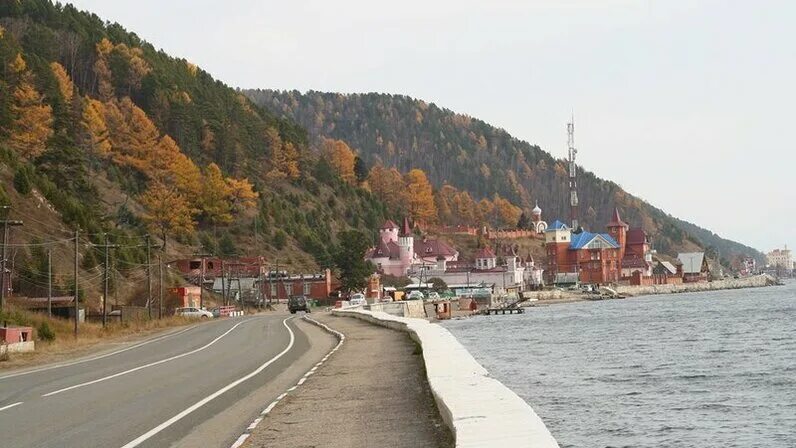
[(692, 370)]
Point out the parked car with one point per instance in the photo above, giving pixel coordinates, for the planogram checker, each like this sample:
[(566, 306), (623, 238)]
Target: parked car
[(298, 303), (433, 295), (415, 295), (357, 299), (193, 312)]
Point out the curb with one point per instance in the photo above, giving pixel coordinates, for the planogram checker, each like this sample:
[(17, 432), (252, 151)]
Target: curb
[(340, 340), (479, 410)]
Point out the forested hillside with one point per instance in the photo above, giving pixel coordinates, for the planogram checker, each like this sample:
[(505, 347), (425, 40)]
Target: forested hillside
[(112, 136), (467, 160)]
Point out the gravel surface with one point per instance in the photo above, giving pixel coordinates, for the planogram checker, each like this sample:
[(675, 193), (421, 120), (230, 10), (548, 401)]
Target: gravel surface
[(370, 393)]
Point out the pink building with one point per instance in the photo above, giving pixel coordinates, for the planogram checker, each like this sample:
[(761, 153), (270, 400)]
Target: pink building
[(396, 250)]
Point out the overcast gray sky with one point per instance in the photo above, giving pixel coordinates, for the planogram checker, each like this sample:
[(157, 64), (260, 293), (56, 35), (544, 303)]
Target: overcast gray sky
[(687, 104)]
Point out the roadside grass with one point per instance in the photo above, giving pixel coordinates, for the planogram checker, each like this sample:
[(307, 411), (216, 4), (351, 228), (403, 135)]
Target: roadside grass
[(55, 338)]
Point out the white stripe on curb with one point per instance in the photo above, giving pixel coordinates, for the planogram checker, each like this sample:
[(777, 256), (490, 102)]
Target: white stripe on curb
[(340, 339)]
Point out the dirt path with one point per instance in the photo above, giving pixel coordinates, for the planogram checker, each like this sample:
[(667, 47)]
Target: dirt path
[(371, 393)]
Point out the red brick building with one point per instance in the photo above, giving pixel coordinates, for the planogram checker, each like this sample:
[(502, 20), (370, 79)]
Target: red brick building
[(596, 258), (280, 286), (212, 267)]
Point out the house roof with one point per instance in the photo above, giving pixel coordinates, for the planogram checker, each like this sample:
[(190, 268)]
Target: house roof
[(485, 252), (635, 262), (433, 248), (637, 236), (384, 250), (692, 262), (557, 225), (389, 224), (616, 221), (669, 267), (582, 239)]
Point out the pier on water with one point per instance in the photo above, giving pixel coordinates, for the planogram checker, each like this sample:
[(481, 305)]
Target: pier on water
[(495, 311)]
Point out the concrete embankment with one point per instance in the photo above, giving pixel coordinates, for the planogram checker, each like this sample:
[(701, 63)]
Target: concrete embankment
[(756, 281), (566, 296), (479, 410)]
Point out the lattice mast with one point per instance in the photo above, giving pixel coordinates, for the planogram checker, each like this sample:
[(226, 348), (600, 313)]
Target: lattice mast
[(573, 183)]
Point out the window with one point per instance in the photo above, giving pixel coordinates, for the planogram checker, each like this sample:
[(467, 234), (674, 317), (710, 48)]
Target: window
[(273, 290), (307, 288), (194, 265), (289, 289), (209, 265)]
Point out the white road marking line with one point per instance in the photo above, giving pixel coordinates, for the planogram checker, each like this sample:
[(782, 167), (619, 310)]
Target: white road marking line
[(80, 361), (11, 405), (202, 402), (151, 364), (273, 404), (240, 441)]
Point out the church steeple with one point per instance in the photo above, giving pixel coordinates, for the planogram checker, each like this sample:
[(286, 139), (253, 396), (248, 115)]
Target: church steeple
[(406, 230), (618, 230)]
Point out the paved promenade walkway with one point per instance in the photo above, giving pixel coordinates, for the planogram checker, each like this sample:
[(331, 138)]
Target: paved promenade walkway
[(370, 393)]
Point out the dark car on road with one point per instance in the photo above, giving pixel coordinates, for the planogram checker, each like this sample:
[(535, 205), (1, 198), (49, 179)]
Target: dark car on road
[(298, 303)]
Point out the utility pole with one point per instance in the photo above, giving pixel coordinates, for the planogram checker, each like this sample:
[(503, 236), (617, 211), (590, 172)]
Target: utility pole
[(223, 288), (160, 283), (77, 256), (105, 286), (50, 282), (148, 279), (3, 286)]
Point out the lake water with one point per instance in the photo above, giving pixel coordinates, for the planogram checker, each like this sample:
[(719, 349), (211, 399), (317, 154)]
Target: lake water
[(714, 369)]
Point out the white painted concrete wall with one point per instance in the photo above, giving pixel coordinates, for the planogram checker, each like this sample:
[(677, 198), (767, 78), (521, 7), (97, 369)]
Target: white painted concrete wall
[(479, 410), (17, 347)]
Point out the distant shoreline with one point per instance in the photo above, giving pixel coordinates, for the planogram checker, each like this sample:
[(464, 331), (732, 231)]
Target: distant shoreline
[(562, 296)]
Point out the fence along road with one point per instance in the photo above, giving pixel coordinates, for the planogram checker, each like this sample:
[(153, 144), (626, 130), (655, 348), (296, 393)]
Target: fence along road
[(153, 394)]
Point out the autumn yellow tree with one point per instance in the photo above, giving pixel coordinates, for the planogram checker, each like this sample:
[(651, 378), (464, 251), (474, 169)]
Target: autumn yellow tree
[(94, 135), (134, 138), (444, 199), (187, 177), (388, 186), (103, 71), (33, 119), (167, 211), (241, 194), (65, 84), (486, 211), (507, 213), (284, 156), (341, 158), (420, 197), (465, 210), (214, 202)]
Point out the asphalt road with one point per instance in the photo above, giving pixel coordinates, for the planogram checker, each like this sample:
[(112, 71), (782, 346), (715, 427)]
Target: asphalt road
[(163, 391)]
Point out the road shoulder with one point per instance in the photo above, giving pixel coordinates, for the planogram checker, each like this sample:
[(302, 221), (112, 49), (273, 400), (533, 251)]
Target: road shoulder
[(372, 392)]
